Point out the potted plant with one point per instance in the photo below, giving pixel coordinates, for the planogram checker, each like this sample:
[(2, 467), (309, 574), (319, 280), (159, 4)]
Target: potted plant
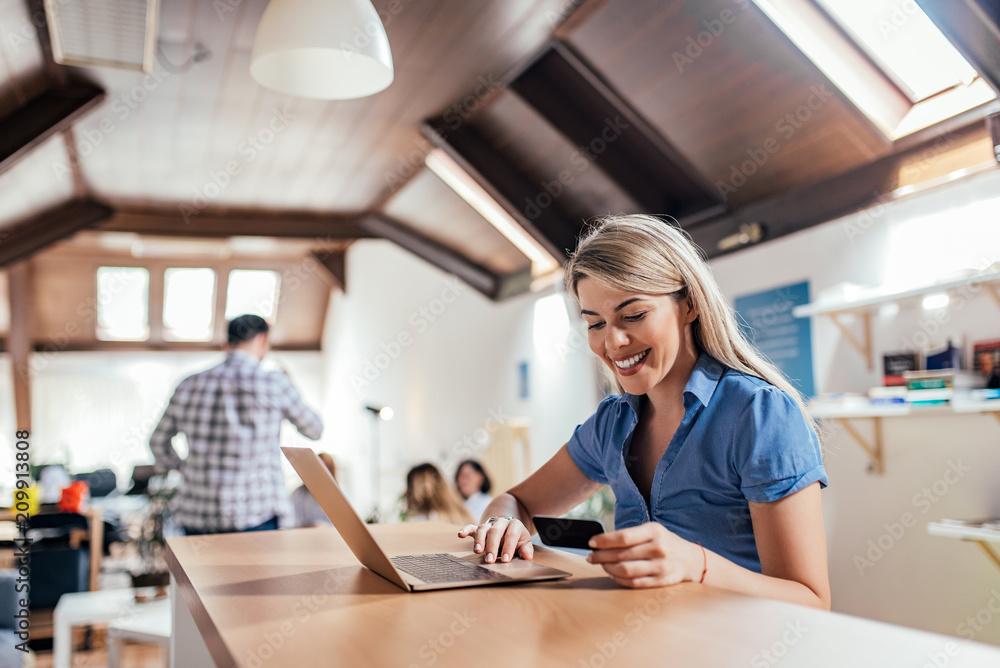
[(150, 536)]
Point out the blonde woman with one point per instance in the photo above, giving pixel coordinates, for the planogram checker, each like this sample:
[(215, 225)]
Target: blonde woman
[(429, 497), (714, 462)]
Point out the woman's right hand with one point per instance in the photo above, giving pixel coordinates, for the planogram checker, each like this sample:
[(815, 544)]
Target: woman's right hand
[(503, 537)]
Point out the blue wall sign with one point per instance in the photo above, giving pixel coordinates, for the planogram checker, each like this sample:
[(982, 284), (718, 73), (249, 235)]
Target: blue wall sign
[(766, 318)]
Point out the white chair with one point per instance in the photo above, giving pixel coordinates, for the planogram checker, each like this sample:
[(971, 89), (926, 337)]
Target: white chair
[(149, 623)]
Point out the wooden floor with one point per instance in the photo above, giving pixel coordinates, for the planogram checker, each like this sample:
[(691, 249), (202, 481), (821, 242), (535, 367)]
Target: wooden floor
[(134, 655)]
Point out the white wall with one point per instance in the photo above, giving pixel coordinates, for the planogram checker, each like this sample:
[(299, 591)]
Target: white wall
[(921, 580), (455, 368)]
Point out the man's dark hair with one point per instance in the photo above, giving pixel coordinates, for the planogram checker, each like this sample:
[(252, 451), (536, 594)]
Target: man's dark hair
[(246, 327)]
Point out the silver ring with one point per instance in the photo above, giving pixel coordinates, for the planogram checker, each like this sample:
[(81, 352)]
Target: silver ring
[(491, 520)]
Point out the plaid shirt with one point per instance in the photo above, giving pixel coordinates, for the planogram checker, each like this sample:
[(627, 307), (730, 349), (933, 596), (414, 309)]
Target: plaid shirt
[(231, 415)]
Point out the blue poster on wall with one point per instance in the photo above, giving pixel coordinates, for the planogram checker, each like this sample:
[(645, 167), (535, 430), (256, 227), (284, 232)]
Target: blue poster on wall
[(766, 318)]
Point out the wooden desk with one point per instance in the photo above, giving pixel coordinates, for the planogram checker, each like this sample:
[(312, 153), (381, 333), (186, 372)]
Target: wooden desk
[(299, 598)]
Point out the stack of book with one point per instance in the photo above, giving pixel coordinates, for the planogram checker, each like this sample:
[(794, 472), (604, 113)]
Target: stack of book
[(929, 388)]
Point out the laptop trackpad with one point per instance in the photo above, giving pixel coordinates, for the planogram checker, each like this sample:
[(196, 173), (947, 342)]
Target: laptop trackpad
[(515, 564)]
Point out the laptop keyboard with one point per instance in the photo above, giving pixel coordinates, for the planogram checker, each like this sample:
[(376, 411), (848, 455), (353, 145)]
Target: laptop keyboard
[(441, 568)]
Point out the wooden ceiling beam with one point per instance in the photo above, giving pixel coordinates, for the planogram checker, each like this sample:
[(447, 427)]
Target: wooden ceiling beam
[(866, 187), (218, 222), (19, 340), (511, 189), (44, 115), (335, 262), (47, 227), (583, 107), (442, 257)]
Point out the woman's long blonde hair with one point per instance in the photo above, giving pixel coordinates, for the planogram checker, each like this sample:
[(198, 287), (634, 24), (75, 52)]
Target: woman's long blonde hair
[(427, 491), (642, 254)]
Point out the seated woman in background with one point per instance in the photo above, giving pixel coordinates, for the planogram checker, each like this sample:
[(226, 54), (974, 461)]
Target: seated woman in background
[(714, 462), (428, 497), (474, 486), (307, 510)]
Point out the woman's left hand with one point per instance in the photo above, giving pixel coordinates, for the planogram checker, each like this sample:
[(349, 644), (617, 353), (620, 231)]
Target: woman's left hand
[(648, 555)]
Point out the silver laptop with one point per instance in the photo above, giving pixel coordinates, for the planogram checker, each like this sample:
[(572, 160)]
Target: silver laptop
[(412, 572)]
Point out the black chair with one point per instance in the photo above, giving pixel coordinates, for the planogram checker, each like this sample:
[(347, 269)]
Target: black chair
[(140, 479), (58, 566), (101, 482)]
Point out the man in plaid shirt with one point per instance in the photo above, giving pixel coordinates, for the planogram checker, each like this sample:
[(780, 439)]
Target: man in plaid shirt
[(231, 415)]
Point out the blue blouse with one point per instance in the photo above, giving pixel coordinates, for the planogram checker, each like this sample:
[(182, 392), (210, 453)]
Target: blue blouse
[(741, 439)]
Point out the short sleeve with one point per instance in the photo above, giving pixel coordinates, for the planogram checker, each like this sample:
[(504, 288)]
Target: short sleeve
[(587, 446), (776, 451)]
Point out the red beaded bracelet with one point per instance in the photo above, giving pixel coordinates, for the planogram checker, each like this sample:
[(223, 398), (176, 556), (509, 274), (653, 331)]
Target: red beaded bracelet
[(704, 569)]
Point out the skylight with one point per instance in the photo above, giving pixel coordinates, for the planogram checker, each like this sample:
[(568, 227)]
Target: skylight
[(908, 47), (122, 304), (886, 56), (252, 291), (188, 304)]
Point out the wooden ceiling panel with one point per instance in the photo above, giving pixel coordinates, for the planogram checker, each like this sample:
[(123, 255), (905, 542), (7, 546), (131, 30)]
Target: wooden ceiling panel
[(717, 101), (429, 206), (37, 182), (465, 52), (193, 116)]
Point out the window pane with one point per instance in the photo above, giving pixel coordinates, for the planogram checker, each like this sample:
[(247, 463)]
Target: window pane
[(254, 292), (900, 37), (188, 304), (122, 304)]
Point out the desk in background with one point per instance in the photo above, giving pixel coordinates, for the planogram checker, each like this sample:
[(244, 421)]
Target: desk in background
[(299, 598)]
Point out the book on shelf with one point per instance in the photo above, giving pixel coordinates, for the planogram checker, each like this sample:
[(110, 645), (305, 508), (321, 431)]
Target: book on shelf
[(990, 394), (938, 379), (949, 358), (985, 348), (929, 397), (986, 361), (888, 396), (895, 364)]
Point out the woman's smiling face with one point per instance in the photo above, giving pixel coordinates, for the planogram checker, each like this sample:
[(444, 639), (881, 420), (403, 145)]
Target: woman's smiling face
[(638, 336)]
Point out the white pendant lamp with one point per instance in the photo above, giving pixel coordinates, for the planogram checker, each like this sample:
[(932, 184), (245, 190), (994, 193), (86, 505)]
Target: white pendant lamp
[(324, 49)]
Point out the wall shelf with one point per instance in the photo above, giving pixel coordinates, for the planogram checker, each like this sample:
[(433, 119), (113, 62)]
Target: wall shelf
[(843, 414), (864, 308), (981, 535)]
